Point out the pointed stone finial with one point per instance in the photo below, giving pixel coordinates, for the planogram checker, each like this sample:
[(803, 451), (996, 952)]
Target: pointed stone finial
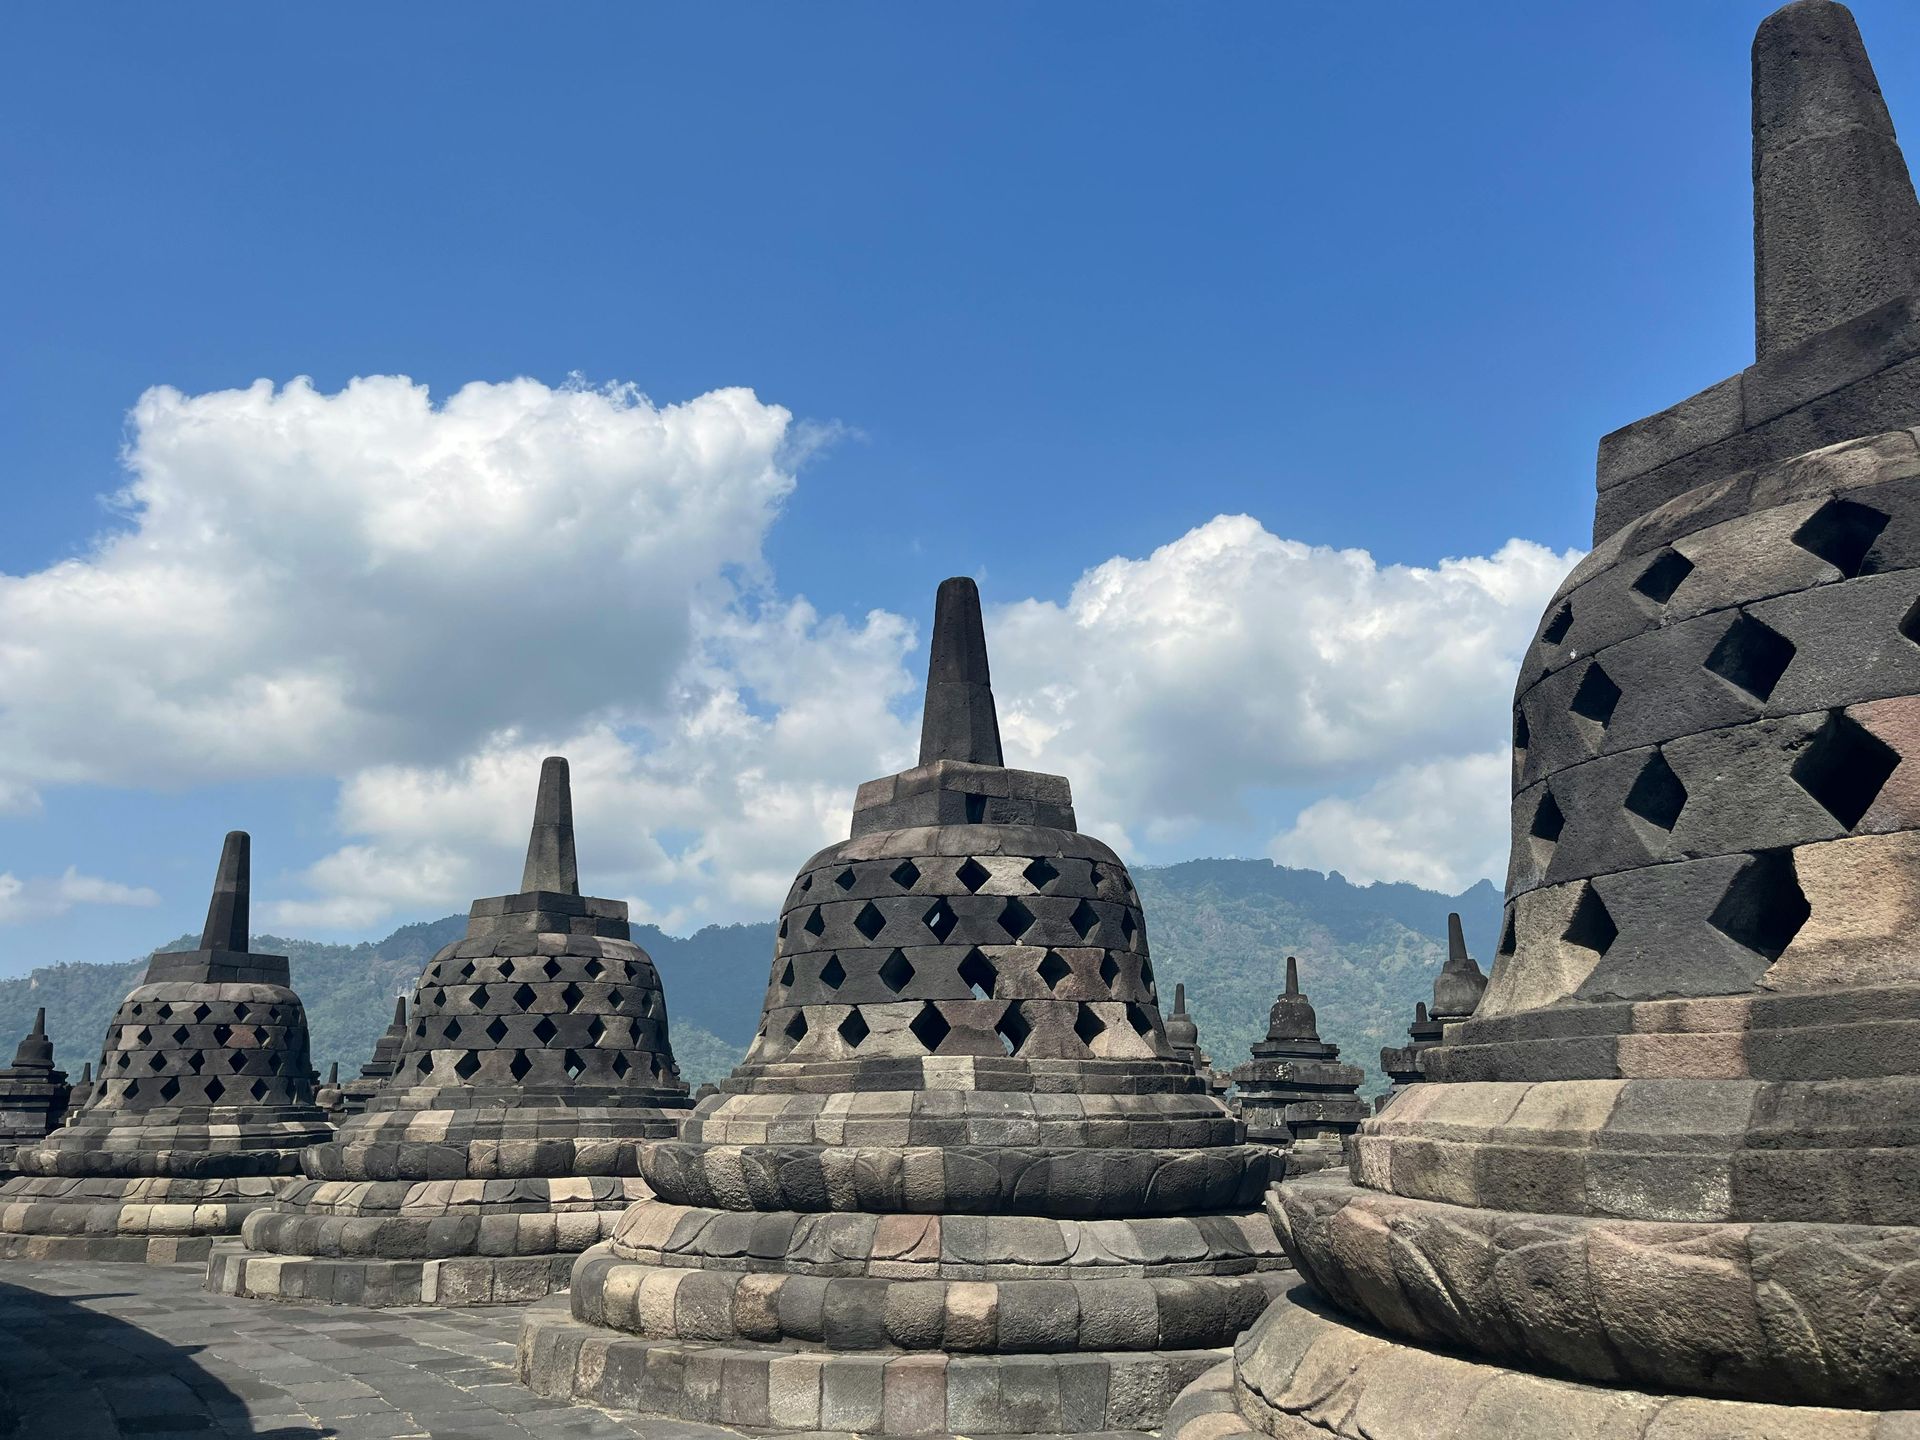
[(333, 1074), (1179, 998), (1836, 228), (86, 1073), (550, 859), (400, 1012), (1419, 1012), (227, 911), (1293, 976), (36, 1050), (959, 722), (1456, 939), (39, 1021)]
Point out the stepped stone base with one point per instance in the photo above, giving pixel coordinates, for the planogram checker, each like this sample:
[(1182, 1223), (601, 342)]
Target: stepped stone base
[(461, 1280), (876, 1393), (1304, 1372), (118, 1249)]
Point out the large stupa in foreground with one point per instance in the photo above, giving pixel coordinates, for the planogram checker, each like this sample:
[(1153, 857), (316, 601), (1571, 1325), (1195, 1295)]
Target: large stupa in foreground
[(203, 1103), (960, 1183), (1665, 1181)]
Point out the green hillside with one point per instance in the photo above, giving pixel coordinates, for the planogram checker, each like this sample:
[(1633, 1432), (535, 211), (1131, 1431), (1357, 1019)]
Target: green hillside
[(1221, 927)]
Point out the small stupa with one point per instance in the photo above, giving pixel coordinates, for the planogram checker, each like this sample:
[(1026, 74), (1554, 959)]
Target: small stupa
[(1456, 992), (203, 1103), (327, 1097), (33, 1094), (380, 1067), (535, 1067), (1183, 1038), (960, 1184), (81, 1095), (1295, 1093)]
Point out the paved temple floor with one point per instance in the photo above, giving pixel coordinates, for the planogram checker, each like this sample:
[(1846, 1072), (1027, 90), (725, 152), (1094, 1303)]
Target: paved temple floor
[(98, 1352)]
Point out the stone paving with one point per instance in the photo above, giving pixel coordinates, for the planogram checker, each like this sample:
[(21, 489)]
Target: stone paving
[(97, 1352)]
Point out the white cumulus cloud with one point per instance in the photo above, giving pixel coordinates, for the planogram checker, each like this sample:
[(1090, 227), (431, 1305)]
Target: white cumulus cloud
[(42, 897)]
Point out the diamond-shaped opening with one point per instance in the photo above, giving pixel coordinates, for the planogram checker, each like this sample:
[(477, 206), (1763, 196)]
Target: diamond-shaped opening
[(1591, 926), (165, 1012), (506, 969), (439, 999), (1522, 736), (1013, 1028), (1146, 973), (181, 1034), (132, 1089), (1661, 578), (1053, 969), (137, 1009), (497, 1030), (786, 974), (870, 922), (853, 1029), (240, 1011), (523, 997), (621, 1064), (274, 1062), (833, 974), (123, 1060), (796, 1030), (169, 1088), (1087, 1025), (1842, 532), (574, 1065), (156, 1062), (1844, 767), (1657, 796), (895, 971), (846, 879), (595, 1029), (940, 919), (1015, 918), (977, 972), (468, 1065), (1597, 696), (571, 996), (479, 997), (1764, 906), (200, 1014), (906, 874), (1548, 820), (1094, 874), (1558, 626), (215, 1089), (594, 969), (1041, 873), (782, 932), (258, 1090), (614, 997), (551, 969), (466, 971), (222, 1033), (1128, 928), (1109, 969), (972, 874), (1751, 655), (519, 1065), (930, 1027), (816, 922), (1507, 941), (452, 1030), (425, 1065), (806, 883), (1138, 1018), (545, 1031), (1083, 919), (236, 1061)]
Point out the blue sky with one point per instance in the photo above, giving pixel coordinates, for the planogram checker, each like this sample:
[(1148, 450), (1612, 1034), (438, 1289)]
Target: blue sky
[(1038, 288)]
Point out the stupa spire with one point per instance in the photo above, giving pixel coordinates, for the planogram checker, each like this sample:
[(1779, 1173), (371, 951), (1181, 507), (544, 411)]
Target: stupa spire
[(226, 927), (1293, 976), (551, 865), (1836, 228), (959, 722)]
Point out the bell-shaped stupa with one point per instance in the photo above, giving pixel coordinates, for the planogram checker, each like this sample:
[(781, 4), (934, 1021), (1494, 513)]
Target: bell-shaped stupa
[(960, 1183), (508, 1138), (1295, 1093), (1183, 1038), (204, 1100), (1456, 993), (1665, 1181), (33, 1094)]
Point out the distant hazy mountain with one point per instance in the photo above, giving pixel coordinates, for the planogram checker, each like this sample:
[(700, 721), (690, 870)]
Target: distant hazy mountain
[(1223, 927)]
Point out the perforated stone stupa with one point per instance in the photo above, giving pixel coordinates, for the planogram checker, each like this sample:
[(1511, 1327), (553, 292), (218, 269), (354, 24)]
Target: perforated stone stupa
[(960, 1182), (1456, 992), (203, 1101), (1183, 1038), (507, 1140), (33, 1094), (1295, 1094), (1666, 1180)]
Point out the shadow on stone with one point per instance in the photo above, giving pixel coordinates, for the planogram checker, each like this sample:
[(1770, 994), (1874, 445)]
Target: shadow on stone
[(71, 1371)]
